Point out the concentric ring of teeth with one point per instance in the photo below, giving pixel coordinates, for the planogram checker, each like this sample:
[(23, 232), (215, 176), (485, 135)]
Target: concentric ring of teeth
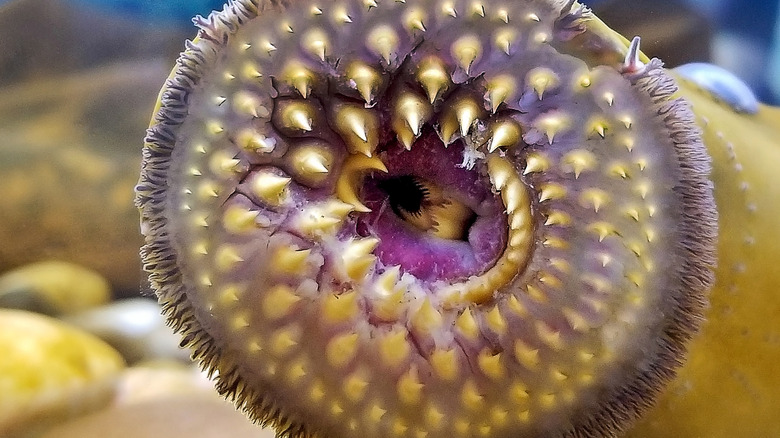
[(286, 127)]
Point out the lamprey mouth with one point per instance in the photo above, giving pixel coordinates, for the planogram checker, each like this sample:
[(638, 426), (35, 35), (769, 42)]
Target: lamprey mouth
[(427, 218)]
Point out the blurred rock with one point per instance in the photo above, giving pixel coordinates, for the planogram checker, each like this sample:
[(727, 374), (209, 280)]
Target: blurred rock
[(53, 288), (163, 379), (50, 372), (77, 89), (135, 327), (173, 417), (671, 30)]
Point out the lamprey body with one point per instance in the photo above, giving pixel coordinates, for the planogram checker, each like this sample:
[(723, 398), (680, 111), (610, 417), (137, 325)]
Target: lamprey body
[(428, 218)]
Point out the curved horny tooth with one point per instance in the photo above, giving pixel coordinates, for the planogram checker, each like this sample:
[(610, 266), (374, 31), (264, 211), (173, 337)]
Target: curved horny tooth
[(342, 349), (253, 141), (504, 39), (579, 160), (349, 179), (433, 76), (466, 50), (383, 40), (427, 318)]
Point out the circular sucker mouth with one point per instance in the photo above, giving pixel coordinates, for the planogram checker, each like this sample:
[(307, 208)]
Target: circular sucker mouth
[(427, 218)]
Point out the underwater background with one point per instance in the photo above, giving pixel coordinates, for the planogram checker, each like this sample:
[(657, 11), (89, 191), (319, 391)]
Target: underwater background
[(78, 82)]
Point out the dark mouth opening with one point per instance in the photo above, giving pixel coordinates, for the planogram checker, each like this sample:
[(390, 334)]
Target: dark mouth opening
[(434, 218), (420, 203)]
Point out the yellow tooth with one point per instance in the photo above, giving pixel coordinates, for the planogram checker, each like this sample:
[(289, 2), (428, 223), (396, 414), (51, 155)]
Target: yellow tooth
[(342, 349), (500, 170), (499, 89), (268, 46), (490, 364), (409, 387), (411, 113), (340, 308), (249, 104), (341, 16), (597, 126), (448, 8), (312, 163), (433, 417), (594, 198), (255, 142), (527, 356), (466, 50), (477, 8), (364, 79), (296, 371), (609, 98), (467, 325), (290, 261), (414, 20), (619, 170), (578, 161), (445, 364), (391, 306), (369, 4), (297, 115), (283, 341), (376, 413), (549, 336), (506, 133), (357, 257), (251, 71), (278, 301), (433, 77), (552, 124), (536, 162), (359, 127), (458, 117), (315, 41), (470, 396), (226, 258), (337, 209), (602, 229), (317, 392), (383, 41), (386, 283), (208, 189), (496, 321), (350, 178), (394, 348), (551, 191), (239, 220), (270, 188), (355, 386), (504, 38), (542, 79), (466, 112), (427, 318), (558, 218), (299, 77)]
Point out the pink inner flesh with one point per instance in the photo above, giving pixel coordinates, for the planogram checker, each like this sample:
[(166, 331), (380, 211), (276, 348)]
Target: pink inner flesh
[(427, 257)]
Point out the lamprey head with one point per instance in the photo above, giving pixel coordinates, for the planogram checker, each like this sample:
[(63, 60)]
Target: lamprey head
[(427, 218)]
